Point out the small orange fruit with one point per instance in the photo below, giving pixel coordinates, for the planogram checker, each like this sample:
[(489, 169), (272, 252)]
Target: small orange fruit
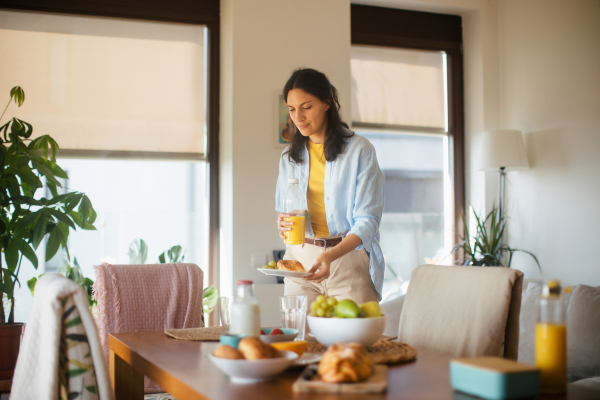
[(298, 346)]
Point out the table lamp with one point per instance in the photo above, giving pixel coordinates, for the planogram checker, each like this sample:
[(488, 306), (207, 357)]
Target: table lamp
[(503, 150)]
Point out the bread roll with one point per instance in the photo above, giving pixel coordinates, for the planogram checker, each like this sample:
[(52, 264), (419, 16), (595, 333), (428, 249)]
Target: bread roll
[(225, 351), (290, 265), (255, 349)]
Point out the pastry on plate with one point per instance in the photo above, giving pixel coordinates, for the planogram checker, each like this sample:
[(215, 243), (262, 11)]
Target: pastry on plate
[(345, 362), (225, 351), (255, 349), (290, 265)]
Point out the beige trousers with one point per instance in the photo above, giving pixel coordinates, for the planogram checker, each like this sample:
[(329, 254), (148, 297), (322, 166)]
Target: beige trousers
[(349, 276)]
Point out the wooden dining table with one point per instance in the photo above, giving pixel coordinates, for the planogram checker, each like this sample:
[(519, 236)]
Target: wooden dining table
[(183, 369)]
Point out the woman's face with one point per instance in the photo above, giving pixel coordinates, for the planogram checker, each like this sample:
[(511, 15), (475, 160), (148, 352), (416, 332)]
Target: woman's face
[(309, 114)]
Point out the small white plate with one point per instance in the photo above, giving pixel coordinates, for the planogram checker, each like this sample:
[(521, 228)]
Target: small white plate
[(248, 371), (286, 337), (280, 272), (307, 358)]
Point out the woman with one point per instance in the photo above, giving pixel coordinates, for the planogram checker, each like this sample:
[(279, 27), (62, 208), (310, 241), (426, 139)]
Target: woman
[(339, 174)]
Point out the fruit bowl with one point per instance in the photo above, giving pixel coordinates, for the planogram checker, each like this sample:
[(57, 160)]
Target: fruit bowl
[(248, 371), (288, 335), (365, 331)]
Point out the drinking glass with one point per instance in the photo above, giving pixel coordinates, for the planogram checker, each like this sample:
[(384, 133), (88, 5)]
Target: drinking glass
[(225, 303), (293, 313)]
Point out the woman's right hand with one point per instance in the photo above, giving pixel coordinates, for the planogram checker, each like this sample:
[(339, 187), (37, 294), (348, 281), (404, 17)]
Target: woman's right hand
[(282, 225)]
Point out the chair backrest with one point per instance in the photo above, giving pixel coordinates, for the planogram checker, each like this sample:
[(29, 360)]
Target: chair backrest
[(464, 311), (146, 298), (60, 356)]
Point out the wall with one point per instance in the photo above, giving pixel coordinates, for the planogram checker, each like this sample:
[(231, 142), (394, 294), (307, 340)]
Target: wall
[(263, 41), (550, 90)]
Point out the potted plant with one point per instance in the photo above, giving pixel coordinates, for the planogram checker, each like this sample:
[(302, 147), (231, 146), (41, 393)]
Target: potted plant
[(486, 247), (27, 217), (73, 271)]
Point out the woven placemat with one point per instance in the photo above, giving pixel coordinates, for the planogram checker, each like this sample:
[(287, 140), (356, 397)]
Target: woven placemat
[(381, 352), (210, 334)]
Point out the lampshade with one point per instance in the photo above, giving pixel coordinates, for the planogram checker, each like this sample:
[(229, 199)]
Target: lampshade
[(503, 148)]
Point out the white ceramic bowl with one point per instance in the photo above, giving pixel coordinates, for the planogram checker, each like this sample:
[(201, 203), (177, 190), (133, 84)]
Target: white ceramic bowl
[(288, 335), (365, 331), (248, 371)]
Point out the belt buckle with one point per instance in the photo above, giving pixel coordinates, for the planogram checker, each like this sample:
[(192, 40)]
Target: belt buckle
[(324, 242)]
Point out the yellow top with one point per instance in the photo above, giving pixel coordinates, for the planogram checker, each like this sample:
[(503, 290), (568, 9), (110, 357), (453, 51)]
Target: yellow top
[(315, 194)]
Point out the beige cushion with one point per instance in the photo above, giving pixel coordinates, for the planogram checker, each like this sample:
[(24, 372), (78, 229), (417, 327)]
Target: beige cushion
[(527, 321), (392, 310), (591, 383), (583, 333), (463, 311)]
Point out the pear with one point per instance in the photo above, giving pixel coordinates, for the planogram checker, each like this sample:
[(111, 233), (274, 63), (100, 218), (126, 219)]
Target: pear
[(370, 309)]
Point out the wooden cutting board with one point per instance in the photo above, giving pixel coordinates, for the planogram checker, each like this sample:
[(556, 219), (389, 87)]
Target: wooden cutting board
[(377, 383)]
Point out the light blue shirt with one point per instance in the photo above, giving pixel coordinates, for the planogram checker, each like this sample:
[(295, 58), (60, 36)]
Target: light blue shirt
[(354, 188)]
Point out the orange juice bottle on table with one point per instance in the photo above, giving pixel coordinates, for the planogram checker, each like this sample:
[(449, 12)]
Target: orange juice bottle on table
[(295, 206), (551, 340)]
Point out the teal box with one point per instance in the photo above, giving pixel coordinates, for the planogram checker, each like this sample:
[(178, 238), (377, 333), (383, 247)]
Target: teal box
[(494, 378)]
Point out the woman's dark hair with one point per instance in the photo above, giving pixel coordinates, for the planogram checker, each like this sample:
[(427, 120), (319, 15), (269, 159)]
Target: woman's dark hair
[(317, 84)]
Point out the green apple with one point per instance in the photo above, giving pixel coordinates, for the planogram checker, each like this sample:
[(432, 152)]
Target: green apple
[(347, 309)]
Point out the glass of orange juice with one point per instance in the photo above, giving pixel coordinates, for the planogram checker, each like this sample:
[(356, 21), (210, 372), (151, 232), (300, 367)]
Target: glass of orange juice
[(296, 234), (295, 207)]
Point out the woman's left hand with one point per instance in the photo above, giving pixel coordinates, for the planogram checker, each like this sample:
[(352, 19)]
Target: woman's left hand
[(320, 267)]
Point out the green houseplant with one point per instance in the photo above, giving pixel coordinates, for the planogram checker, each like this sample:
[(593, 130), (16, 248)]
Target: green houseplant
[(73, 271), (26, 217), (485, 247)]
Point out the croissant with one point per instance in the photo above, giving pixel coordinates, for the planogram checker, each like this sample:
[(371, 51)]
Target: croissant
[(345, 362)]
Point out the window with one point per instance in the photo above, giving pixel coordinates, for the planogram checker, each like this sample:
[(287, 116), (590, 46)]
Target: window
[(162, 202), (407, 100), (128, 102), (100, 86)]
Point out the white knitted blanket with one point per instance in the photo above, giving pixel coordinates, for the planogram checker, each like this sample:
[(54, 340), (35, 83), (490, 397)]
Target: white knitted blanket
[(36, 373)]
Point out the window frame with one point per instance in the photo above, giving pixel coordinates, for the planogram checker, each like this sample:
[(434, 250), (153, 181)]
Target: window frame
[(404, 29), (197, 12)]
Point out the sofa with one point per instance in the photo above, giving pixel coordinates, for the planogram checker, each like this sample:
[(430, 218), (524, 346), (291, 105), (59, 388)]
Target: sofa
[(583, 329)]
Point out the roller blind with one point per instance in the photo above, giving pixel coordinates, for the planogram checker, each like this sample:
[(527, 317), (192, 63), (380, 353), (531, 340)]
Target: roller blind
[(106, 84), (397, 87)]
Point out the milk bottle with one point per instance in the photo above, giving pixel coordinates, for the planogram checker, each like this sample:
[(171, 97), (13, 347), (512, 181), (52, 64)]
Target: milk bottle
[(245, 313)]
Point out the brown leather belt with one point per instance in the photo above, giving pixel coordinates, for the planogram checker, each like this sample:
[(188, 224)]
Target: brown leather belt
[(323, 242)]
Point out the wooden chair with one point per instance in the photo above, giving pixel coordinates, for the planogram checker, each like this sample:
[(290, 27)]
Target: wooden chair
[(463, 311), (147, 298)]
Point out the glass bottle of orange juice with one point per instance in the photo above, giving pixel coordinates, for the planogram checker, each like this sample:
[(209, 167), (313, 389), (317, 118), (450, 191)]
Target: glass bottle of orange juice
[(295, 206), (551, 340)]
